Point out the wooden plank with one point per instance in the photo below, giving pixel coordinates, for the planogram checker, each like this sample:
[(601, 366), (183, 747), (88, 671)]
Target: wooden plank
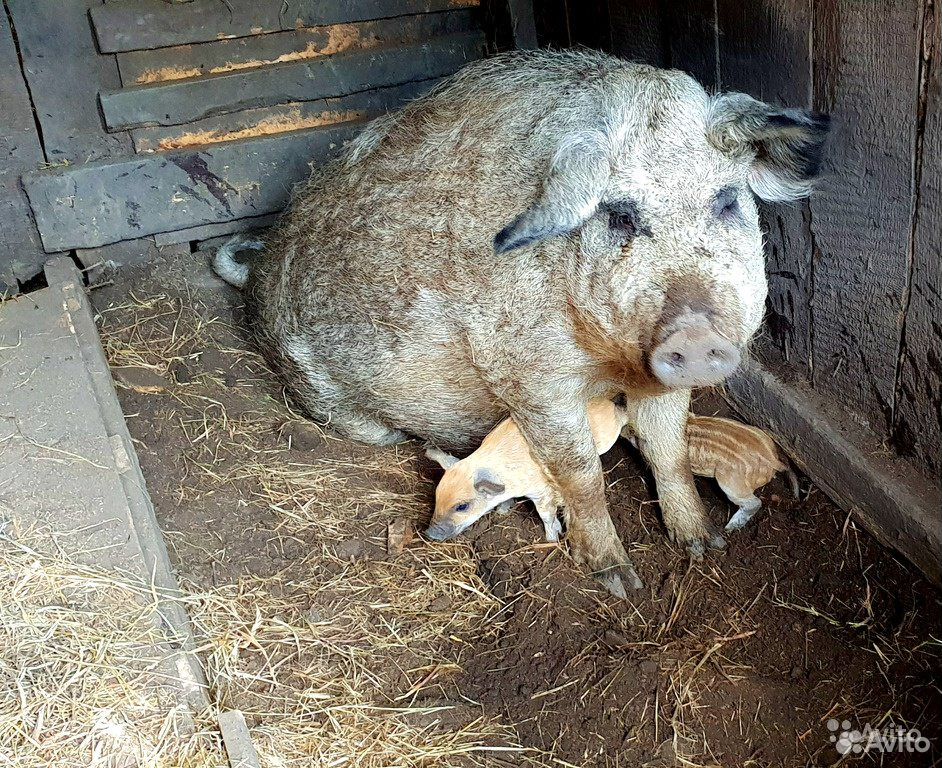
[(183, 101), (866, 75), (848, 463), (694, 39), (639, 31), (238, 740), (136, 24), (284, 117), (523, 23), (65, 73), (21, 255), (917, 422), (183, 61), (211, 231), (95, 204), (589, 24), (764, 50)]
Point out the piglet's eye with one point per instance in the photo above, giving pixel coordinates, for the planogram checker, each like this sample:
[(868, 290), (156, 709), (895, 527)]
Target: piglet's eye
[(726, 204), (462, 507)]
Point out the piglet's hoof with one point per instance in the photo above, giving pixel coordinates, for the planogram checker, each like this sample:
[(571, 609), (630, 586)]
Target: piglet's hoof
[(616, 579)]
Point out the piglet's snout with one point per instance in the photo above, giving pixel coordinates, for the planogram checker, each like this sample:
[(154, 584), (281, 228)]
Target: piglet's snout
[(693, 354), (441, 530)]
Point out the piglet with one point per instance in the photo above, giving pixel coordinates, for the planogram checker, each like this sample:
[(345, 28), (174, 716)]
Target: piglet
[(503, 469), (741, 459)]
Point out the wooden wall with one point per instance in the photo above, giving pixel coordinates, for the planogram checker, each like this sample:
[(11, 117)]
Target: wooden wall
[(855, 274), (131, 126)]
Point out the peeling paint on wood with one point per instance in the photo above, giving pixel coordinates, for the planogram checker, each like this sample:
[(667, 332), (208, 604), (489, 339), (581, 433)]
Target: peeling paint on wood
[(366, 104), (175, 103), (186, 61), (138, 24)]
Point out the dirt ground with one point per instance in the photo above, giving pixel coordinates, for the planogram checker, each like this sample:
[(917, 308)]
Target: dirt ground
[(499, 650)]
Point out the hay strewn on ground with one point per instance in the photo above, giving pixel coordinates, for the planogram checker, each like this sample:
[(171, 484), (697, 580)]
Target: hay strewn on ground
[(343, 654), (334, 669)]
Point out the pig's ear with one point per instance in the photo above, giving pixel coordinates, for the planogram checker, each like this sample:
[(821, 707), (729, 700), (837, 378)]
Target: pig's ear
[(488, 485), (445, 460), (572, 191), (787, 144)]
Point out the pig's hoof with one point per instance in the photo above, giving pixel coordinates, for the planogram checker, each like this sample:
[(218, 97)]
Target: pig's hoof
[(619, 579), (716, 540), (697, 549)]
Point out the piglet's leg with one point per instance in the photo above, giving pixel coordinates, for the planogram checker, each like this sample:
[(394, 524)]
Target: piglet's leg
[(742, 496), (557, 431), (662, 436), (504, 507), (546, 508)]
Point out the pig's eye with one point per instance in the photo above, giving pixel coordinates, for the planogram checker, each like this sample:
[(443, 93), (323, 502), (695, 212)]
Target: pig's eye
[(726, 204), (624, 220), (462, 507)]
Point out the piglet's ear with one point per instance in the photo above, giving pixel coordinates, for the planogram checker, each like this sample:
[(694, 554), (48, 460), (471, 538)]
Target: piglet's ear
[(488, 485), (787, 143), (572, 190), (445, 460)]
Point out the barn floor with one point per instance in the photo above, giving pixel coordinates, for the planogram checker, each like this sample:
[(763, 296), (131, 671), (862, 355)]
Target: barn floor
[(344, 649)]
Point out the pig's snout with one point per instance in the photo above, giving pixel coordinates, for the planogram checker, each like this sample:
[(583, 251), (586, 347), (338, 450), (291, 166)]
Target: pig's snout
[(442, 530), (693, 354)]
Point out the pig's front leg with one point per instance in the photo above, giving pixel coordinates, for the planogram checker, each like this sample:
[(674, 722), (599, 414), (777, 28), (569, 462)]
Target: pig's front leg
[(561, 442), (661, 427)]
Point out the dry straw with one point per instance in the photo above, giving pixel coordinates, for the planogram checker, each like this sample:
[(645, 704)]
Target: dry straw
[(353, 663)]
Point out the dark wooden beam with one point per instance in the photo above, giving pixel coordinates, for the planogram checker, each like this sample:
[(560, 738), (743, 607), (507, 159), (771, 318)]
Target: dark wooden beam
[(135, 24), (694, 39), (90, 205), (764, 50), (866, 75), (917, 423), (523, 23), (184, 101)]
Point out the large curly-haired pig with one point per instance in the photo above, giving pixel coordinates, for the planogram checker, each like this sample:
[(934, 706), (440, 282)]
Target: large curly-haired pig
[(542, 229)]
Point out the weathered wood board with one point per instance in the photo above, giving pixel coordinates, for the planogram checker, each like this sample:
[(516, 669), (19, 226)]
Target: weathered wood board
[(135, 24), (694, 40), (211, 231), (894, 501), (523, 23), (866, 76), (21, 255), (65, 73), (917, 427), (639, 31), (184, 101), (764, 50), (99, 203), (269, 120), (184, 61)]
